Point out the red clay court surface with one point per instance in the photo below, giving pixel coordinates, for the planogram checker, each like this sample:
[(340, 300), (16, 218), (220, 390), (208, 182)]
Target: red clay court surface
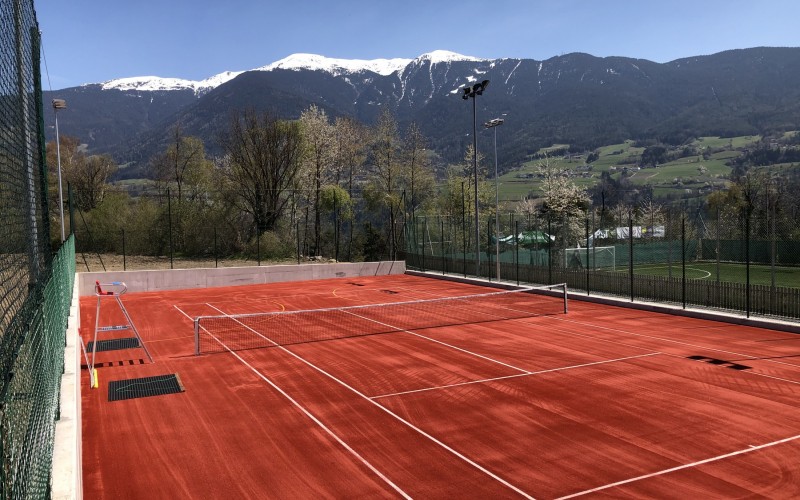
[(603, 402)]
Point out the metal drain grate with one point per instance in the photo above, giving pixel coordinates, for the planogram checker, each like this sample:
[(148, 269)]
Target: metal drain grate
[(114, 344), (158, 385)]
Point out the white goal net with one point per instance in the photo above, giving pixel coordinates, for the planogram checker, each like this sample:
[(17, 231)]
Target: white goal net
[(592, 257)]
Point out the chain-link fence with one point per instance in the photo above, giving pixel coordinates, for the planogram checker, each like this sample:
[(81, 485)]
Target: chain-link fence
[(692, 258), (155, 230), (35, 285)]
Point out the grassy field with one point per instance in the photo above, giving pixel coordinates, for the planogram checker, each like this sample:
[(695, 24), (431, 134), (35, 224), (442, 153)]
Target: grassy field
[(744, 141), (759, 274), (691, 175)]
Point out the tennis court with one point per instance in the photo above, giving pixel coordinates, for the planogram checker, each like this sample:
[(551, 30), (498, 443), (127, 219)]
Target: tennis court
[(498, 395)]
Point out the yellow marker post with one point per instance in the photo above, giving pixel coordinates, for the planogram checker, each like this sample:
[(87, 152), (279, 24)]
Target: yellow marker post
[(96, 382)]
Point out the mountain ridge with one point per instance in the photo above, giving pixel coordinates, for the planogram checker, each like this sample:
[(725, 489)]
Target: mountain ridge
[(576, 99), (295, 62)]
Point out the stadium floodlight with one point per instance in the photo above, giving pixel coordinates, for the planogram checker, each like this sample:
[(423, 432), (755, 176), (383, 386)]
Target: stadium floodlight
[(472, 92), (59, 104), (494, 123)]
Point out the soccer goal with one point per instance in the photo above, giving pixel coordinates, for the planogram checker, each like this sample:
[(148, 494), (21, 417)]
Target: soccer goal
[(598, 258)]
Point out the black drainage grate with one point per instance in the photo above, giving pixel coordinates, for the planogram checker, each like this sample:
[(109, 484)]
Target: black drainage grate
[(144, 387), (114, 344)]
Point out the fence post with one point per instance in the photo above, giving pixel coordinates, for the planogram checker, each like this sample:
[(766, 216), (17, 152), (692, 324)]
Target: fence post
[(169, 225), (549, 250), (668, 236), (71, 209), (747, 259), (683, 260), (124, 260), (216, 255), (587, 254), (464, 229), (630, 252), (489, 245), (441, 245), (297, 236), (516, 250), (771, 216), (424, 229), (718, 256)]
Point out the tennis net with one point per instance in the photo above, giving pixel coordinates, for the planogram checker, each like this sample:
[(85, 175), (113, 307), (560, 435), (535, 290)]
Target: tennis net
[(252, 331)]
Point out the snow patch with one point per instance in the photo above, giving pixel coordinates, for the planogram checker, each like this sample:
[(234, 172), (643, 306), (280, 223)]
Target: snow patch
[(442, 56), (314, 62), (155, 83)]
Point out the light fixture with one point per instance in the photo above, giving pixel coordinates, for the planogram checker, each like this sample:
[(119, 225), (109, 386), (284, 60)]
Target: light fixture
[(494, 123), (59, 104), (473, 91)]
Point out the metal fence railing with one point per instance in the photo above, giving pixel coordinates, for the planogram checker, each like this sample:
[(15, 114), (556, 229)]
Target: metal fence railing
[(169, 235), (748, 266)]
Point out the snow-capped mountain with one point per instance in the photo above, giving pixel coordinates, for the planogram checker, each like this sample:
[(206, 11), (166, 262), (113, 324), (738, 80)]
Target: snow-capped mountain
[(294, 62), (575, 99), (156, 83), (336, 67)]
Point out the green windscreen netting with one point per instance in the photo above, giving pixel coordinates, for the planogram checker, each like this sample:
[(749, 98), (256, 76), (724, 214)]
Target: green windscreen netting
[(35, 284)]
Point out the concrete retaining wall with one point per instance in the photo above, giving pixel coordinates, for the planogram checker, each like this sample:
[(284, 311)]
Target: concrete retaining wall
[(67, 480), (177, 279)]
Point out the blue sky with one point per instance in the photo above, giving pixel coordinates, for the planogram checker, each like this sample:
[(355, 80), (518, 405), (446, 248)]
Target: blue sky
[(93, 41)]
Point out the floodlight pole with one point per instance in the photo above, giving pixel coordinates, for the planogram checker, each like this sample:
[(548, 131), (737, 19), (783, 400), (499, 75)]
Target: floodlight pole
[(494, 123), (59, 104), (472, 92)]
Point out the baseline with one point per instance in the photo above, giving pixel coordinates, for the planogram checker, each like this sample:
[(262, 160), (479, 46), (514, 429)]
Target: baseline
[(681, 467)]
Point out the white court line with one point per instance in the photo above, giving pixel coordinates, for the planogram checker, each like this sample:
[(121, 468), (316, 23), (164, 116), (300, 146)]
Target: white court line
[(550, 370), (384, 409), (309, 415), (481, 356), (689, 344), (182, 312), (680, 467), (673, 341)]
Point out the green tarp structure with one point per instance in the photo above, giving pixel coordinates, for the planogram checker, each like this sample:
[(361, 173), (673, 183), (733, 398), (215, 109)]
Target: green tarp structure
[(527, 238)]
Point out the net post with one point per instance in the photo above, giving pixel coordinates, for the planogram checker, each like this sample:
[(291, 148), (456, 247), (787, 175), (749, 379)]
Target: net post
[(566, 308), (197, 336)]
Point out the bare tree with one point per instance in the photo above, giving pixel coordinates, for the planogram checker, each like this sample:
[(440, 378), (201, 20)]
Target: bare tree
[(183, 163), (385, 161), (417, 174), (89, 178), (350, 157), (262, 159), (318, 135), (650, 215)]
